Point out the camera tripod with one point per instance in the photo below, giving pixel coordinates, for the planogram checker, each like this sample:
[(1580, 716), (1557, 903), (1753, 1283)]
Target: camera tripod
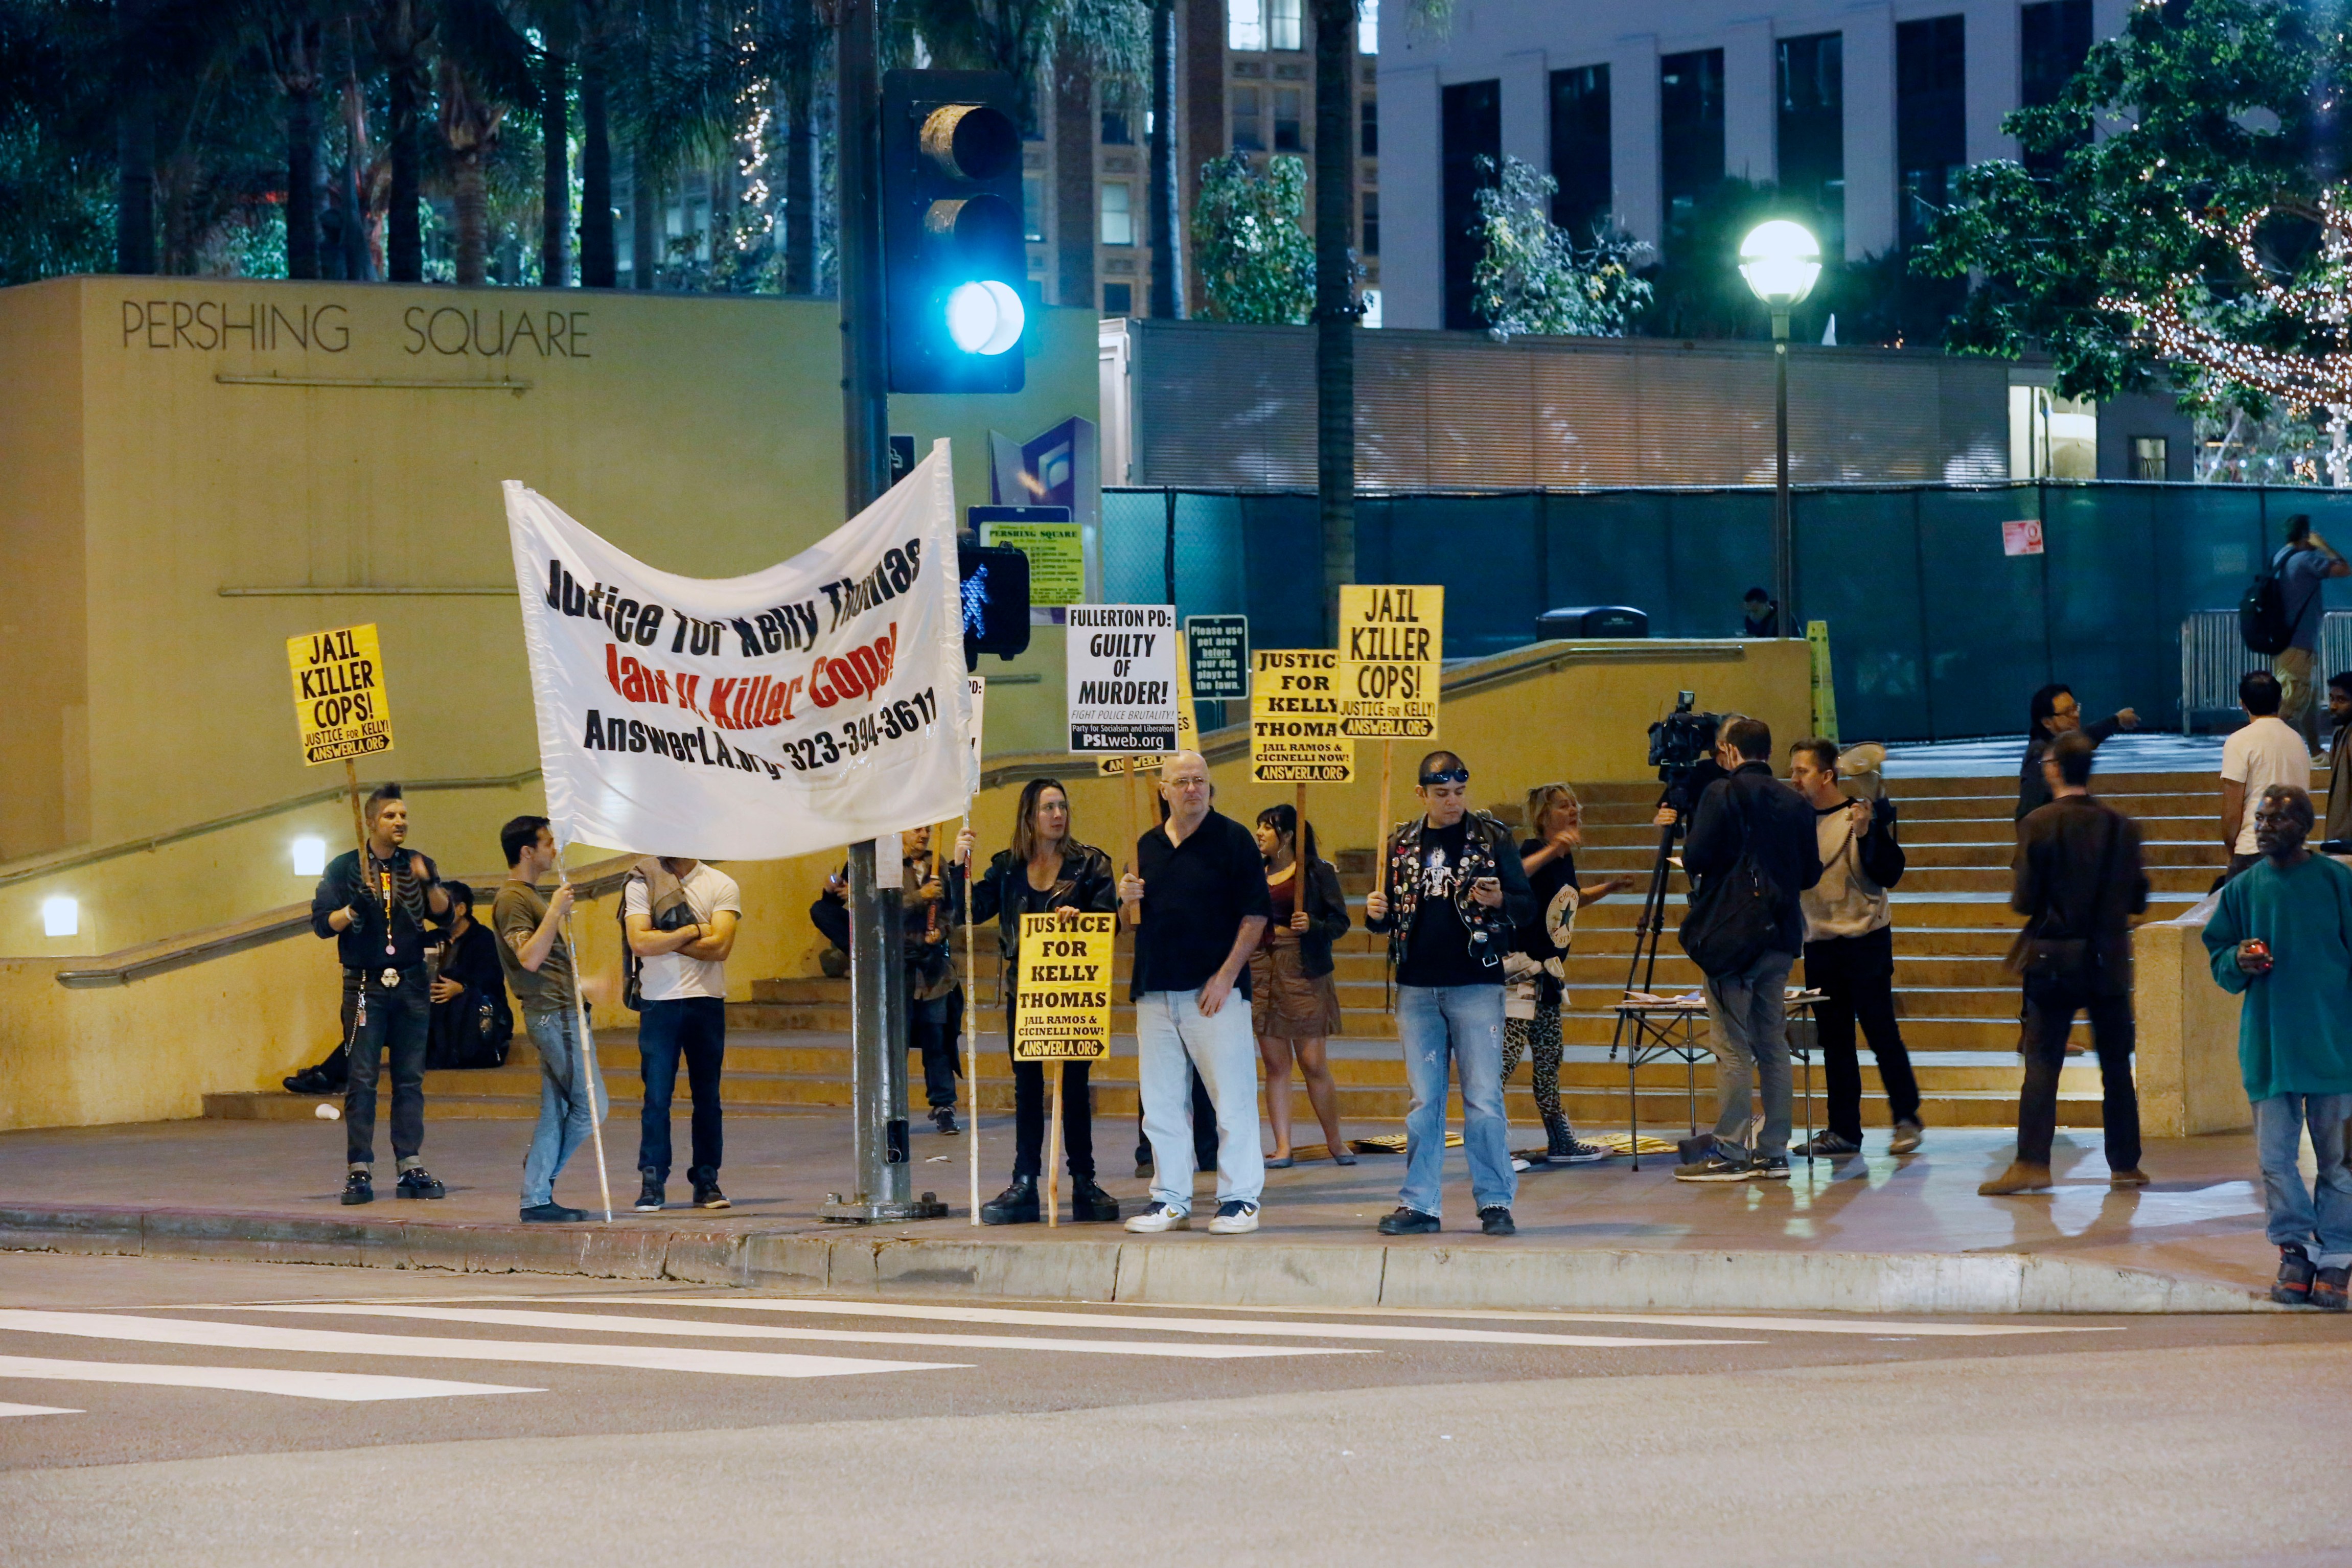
[(1650, 925)]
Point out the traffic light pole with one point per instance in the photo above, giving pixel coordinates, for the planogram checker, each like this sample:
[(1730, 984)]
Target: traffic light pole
[(878, 975)]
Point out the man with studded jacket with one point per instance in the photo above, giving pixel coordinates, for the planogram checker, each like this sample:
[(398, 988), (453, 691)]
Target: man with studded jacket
[(1451, 894)]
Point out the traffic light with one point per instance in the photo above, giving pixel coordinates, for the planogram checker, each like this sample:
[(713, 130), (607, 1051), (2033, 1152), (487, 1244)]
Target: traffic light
[(995, 580), (955, 261)]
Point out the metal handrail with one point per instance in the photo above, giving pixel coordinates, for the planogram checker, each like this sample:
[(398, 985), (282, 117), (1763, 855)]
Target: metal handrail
[(151, 959), (52, 866)]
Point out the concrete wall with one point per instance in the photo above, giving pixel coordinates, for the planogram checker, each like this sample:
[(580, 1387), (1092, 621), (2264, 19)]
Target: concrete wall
[(2188, 1068), (152, 1049), (197, 470)]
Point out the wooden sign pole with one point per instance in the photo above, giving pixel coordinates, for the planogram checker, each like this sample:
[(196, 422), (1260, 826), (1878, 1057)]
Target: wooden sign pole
[(1134, 916), (1298, 848), (1381, 830), (358, 824)]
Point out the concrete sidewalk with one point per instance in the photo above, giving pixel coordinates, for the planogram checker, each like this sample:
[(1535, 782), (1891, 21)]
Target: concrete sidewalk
[(1874, 1233)]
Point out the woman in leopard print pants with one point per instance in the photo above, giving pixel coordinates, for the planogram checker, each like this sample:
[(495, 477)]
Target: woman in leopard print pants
[(1557, 821)]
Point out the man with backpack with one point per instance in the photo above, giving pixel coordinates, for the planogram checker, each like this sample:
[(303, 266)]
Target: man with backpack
[(679, 916), (2280, 617), (2078, 881), (1752, 852)]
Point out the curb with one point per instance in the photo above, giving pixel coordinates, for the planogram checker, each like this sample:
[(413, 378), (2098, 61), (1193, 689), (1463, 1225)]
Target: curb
[(1191, 1272)]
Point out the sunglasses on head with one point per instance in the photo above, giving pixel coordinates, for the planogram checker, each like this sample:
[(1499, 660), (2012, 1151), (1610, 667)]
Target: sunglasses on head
[(1451, 776)]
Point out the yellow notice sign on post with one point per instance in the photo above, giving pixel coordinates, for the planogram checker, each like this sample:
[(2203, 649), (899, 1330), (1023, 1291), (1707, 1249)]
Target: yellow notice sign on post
[(340, 704), (1062, 1011), (1188, 730), (1295, 726), (1057, 557), (1390, 643)]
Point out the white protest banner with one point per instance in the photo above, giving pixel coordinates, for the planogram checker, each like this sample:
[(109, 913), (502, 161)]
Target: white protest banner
[(1121, 677), (801, 707)]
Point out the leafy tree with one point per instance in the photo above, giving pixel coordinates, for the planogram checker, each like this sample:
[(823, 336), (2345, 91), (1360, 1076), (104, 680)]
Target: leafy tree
[(2188, 222), (1534, 278), (1254, 260)]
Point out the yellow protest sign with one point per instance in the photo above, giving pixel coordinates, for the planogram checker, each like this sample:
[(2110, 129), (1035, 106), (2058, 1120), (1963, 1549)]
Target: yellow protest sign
[(340, 704), (1062, 994), (1188, 730), (1295, 726), (1390, 643)]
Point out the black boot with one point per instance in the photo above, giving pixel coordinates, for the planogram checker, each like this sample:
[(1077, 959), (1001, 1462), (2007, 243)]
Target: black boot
[(1089, 1202), (1016, 1205)]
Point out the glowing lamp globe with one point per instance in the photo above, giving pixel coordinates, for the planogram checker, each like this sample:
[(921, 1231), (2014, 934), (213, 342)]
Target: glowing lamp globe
[(984, 318), (1780, 261)]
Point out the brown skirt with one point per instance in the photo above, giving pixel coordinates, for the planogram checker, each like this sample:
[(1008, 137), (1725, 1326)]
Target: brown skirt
[(1285, 1003)]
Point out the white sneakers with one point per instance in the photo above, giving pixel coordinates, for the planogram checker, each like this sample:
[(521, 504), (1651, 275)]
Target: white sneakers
[(1235, 1217)]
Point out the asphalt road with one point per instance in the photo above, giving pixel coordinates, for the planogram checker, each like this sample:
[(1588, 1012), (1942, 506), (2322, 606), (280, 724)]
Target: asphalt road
[(255, 1414)]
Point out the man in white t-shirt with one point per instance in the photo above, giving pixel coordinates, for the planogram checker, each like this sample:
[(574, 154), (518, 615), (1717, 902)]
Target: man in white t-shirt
[(681, 917), (2266, 751)]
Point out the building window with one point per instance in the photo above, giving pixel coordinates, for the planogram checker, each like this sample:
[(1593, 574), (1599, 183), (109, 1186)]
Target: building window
[(1930, 118), (2151, 455), (1372, 223), (2053, 39), (1282, 30), (1470, 129), (1118, 216), (1287, 135), (1690, 134), (1367, 118), (1118, 299), (1579, 149), (1246, 26), (1249, 132), (1033, 207), (1368, 27), (1812, 131), (1115, 131)]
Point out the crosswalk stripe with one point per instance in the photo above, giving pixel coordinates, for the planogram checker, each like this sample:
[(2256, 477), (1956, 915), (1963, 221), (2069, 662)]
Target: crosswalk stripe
[(691, 1328), (1404, 1332), (352, 1387), (6, 1410), (265, 1337), (1856, 1325)]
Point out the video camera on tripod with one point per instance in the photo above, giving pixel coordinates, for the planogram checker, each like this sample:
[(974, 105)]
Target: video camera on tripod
[(1682, 748), (1679, 742)]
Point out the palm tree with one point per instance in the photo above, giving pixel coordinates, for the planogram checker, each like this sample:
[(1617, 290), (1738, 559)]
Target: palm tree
[(296, 45), (403, 33), (1167, 259), (485, 73)]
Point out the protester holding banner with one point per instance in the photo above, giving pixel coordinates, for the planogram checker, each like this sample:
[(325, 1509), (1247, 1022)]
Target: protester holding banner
[(1044, 869), (1200, 887), (684, 985), (1549, 857), (1454, 893), (375, 903), (538, 964), (1294, 1005)]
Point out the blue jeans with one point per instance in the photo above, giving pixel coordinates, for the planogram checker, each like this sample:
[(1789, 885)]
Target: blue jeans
[(2322, 1228), (1171, 1032), (1749, 1013), (1459, 1026), (694, 1028), (566, 1116)]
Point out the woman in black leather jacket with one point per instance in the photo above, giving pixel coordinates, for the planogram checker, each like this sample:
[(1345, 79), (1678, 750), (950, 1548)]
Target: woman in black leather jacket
[(1045, 868), (1294, 1005)]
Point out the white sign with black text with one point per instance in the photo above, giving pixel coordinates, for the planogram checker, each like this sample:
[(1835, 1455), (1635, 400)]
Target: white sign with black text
[(1121, 677)]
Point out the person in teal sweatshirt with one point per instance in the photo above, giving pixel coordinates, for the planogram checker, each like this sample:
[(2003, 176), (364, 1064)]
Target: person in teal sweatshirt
[(2282, 937)]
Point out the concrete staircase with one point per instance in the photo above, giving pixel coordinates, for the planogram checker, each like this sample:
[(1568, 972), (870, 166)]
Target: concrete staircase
[(788, 1047)]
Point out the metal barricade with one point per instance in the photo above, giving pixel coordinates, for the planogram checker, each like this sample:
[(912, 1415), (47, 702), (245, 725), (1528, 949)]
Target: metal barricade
[(2213, 656)]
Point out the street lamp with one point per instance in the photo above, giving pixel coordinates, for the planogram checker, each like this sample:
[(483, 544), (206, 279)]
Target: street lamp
[(1780, 261)]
